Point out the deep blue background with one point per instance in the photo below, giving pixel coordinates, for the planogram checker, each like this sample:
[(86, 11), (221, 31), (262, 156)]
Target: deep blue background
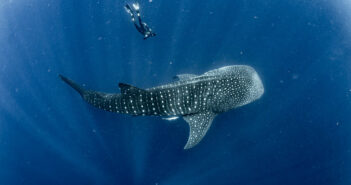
[(297, 133)]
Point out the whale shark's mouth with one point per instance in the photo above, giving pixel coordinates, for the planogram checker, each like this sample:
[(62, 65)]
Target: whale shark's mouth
[(257, 89)]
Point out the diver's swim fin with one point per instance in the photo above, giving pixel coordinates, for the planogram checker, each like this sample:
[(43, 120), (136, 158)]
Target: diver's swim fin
[(128, 9), (136, 6)]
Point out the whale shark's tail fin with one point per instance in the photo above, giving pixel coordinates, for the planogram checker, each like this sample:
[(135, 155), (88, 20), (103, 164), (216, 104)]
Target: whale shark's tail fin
[(75, 86)]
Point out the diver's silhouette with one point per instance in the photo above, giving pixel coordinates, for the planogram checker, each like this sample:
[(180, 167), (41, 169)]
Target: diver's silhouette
[(143, 28)]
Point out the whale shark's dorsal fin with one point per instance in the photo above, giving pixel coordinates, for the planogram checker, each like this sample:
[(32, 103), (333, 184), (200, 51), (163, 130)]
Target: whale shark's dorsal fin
[(199, 123), (184, 76), (126, 89)]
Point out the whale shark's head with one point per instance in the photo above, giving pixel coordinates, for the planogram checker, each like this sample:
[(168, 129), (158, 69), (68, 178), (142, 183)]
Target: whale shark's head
[(257, 89), (244, 86), (252, 86)]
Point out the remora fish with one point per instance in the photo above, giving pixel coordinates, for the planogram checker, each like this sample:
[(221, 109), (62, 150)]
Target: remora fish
[(197, 98)]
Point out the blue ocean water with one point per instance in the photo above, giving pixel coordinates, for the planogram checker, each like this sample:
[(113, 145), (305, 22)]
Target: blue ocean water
[(297, 133)]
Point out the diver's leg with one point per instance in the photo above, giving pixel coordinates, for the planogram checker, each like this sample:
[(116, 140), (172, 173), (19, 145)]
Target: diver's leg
[(139, 27), (139, 18), (136, 8), (140, 22)]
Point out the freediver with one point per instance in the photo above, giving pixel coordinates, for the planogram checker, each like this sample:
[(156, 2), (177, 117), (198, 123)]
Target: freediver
[(143, 28)]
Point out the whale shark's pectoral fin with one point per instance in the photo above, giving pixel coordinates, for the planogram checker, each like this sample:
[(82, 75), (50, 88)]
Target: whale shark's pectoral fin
[(199, 123), (127, 89), (184, 77)]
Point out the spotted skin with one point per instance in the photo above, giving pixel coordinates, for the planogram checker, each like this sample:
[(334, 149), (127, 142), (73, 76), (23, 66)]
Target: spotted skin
[(198, 99)]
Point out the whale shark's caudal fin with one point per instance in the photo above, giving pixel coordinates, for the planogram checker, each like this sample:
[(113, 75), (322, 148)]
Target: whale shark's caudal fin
[(75, 86)]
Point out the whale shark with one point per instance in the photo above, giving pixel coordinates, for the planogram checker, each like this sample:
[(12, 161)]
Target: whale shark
[(198, 99)]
